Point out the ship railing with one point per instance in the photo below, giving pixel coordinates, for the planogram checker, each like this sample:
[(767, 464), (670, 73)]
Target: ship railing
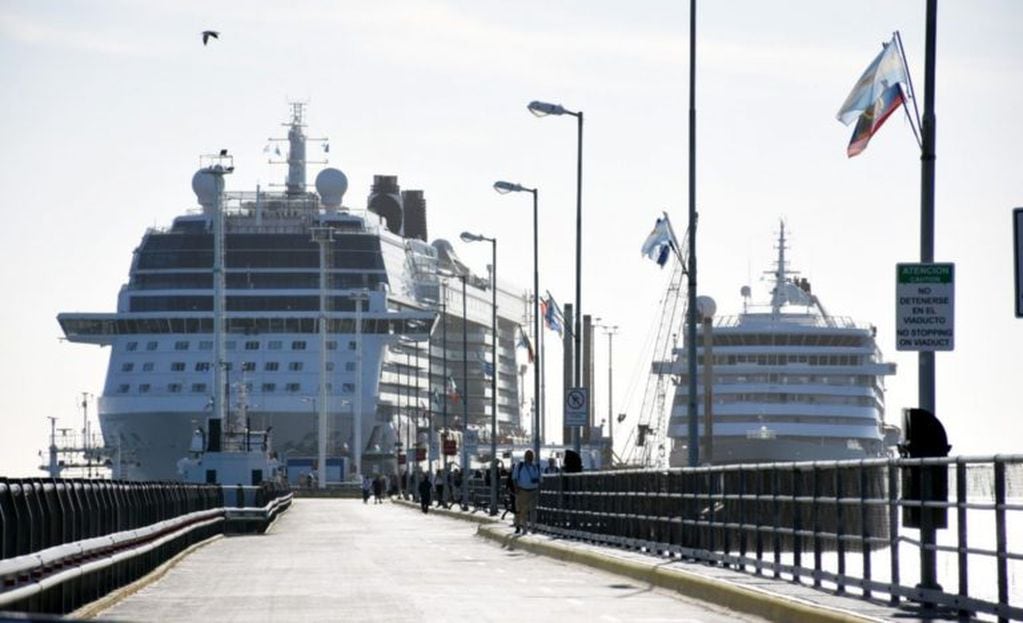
[(848, 527), (66, 543), (842, 322)]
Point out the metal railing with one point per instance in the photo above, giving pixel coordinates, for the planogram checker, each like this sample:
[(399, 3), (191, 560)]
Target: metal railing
[(65, 543), (856, 527)]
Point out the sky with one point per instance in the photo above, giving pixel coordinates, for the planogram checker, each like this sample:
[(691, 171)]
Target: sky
[(106, 106)]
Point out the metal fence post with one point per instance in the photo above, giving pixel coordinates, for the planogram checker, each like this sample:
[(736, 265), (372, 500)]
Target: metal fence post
[(865, 547), (1001, 540), (963, 542), (894, 480)]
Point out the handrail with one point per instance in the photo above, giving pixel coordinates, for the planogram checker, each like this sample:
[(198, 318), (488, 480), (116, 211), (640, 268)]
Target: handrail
[(840, 523), (64, 543)]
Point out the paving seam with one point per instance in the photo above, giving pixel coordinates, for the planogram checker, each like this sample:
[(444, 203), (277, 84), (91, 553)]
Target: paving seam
[(750, 600)]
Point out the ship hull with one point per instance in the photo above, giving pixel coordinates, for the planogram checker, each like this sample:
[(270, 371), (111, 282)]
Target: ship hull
[(736, 450), (151, 444)]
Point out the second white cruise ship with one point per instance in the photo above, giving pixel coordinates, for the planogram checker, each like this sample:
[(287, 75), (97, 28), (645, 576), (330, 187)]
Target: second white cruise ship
[(789, 382)]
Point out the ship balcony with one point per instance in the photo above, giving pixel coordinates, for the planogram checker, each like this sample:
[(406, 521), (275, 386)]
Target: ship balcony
[(791, 406), (871, 368), (724, 388)]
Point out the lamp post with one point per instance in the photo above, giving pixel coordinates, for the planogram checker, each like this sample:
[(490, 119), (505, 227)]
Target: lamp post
[(444, 379), (542, 109), (357, 408), (465, 397), (469, 237), (504, 188), (610, 331)]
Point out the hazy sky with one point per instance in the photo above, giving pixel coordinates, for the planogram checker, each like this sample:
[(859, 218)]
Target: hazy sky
[(107, 105)]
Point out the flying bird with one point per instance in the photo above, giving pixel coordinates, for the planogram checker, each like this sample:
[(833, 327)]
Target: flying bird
[(206, 34)]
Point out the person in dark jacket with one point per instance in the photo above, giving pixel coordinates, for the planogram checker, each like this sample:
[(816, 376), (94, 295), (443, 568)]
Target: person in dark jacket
[(425, 489)]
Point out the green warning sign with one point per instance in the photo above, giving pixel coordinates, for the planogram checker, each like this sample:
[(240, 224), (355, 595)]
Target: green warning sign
[(925, 307)]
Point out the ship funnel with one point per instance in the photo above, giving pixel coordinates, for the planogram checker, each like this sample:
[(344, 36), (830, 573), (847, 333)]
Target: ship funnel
[(385, 200), (207, 188), (331, 184), (415, 214)]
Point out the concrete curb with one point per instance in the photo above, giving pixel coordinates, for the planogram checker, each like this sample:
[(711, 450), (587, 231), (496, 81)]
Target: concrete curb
[(480, 517), (712, 590), (749, 600)]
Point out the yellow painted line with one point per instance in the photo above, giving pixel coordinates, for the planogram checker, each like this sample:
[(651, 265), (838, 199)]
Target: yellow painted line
[(746, 599)]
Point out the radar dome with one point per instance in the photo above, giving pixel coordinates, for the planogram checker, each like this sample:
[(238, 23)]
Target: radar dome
[(207, 187), (706, 306), (331, 184)]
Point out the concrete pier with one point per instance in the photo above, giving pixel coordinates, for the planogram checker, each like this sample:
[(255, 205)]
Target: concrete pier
[(339, 559)]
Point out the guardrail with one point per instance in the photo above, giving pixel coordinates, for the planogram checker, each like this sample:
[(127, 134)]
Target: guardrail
[(857, 527), (64, 543)]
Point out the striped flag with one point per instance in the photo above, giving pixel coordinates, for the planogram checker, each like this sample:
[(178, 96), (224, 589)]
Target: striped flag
[(871, 120), (661, 242), (876, 95), (524, 342), (552, 316)]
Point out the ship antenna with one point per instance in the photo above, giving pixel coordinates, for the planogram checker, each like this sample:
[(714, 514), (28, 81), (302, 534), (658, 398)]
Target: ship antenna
[(778, 294), (295, 183)]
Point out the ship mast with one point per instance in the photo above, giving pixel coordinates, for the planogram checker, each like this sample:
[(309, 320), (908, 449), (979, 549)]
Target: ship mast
[(295, 183), (778, 296), (296, 151)]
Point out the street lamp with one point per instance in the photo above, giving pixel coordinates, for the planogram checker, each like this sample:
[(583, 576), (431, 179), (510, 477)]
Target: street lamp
[(610, 331), (465, 396), (470, 237), (542, 109), (504, 188)]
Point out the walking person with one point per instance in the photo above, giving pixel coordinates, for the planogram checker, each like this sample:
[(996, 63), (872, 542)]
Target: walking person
[(378, 490), (526, 478), (367, 484), (424, 491), (438, 483), (552, 466)]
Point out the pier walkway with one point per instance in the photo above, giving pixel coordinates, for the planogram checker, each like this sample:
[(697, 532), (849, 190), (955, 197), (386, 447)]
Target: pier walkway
[(337, 559)]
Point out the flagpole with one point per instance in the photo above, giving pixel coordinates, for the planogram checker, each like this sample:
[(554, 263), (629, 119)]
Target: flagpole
[(912, 91), (694, 448), (925, 358), (927, 158)]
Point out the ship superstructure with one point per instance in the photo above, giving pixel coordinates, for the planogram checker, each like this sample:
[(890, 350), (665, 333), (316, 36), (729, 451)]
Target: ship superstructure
[(788, 382), (295, 262)]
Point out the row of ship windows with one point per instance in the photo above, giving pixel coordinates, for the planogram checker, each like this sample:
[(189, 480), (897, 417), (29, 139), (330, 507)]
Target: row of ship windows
[(785, 379), (784, 339), (238, 280), (201, 388), (778, 419), (856, 401), (781, 360), (863, 380), (233, 345), (247, 366), (245, 326)]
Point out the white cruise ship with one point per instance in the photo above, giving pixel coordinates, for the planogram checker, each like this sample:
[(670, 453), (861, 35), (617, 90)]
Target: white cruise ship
[(789, 382), (386, 292)]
